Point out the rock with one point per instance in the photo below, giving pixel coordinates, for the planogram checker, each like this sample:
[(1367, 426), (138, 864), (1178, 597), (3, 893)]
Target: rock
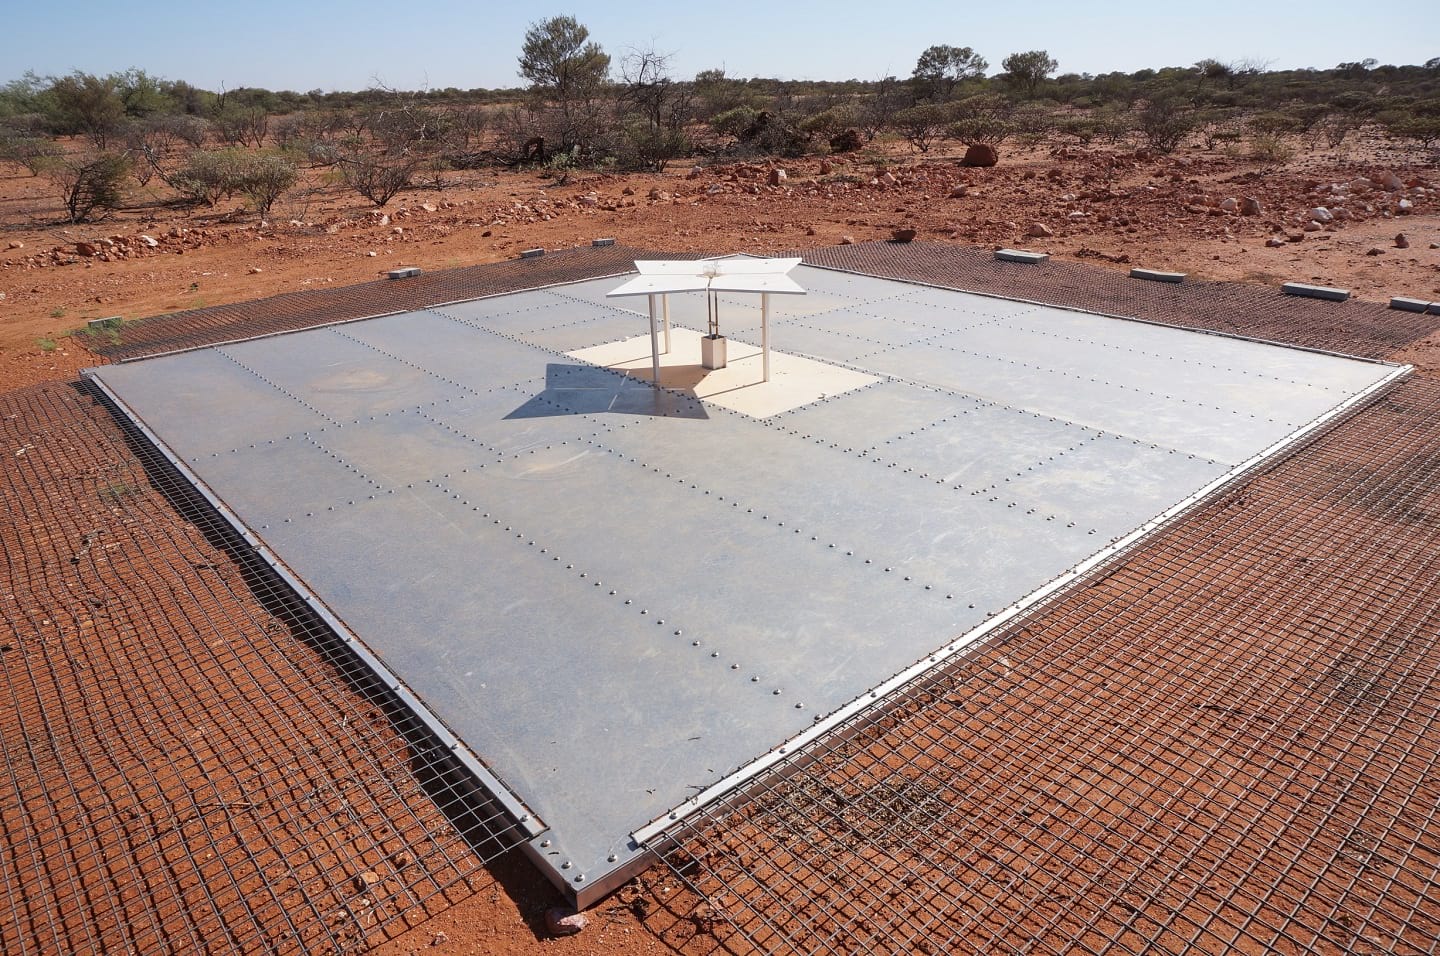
[(1312, 226), (1340, 213), (1038, 230), (256, 270), (809, 230), (563, 921), (888, 179), (1404, 206), (148, 241), (1391, 183), (1435, 245), (695, 172), (777, 177), (440, 938), (960, 191), (657, 194), (1230, 204), (1274, 242), (1321, 215), (903, 235), (17, 244), (1402, 241), (980, 154), (1374, 251), (367, 880), (428, 206), (628, 191), (1295, 237), (826, 167), (85, 249), (847, 240), (1250, 206)]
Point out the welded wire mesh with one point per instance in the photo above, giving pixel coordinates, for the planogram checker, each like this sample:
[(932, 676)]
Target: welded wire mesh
[(1226, 742), (189, 762)]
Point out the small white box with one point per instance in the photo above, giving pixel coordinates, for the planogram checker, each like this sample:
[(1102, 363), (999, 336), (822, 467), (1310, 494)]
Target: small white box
[(712, 351)]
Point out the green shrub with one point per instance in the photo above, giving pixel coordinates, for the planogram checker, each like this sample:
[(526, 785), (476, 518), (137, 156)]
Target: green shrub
[(90, 185)]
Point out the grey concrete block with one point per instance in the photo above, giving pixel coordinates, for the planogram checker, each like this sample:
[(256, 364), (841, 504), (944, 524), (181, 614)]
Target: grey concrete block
[(1018, 255), (532, 253), (106, 323), (602, 242), (1155, 275), (1409, 305), (407, 272), (1315, 291), (1434, 308)]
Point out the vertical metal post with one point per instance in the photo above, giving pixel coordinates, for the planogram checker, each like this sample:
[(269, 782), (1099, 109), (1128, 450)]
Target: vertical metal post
[(765, 331), (665, 306), (654, 342)]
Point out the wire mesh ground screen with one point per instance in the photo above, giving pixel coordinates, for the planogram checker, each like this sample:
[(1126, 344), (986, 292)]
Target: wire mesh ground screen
[(617, 602)]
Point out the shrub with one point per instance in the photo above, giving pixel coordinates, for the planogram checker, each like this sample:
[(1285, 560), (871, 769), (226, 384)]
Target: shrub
[(378, 177), (1271, 148), (264, 179), (90, 185), (1165, 124), (210, 176), (31, 153)]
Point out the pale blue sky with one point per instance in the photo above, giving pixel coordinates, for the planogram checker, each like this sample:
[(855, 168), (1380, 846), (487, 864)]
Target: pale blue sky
[(410, 44)]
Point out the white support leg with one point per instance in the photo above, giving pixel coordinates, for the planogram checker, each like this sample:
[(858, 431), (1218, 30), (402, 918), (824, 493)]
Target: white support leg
[(765, 331), (665, 306), (654, 342)]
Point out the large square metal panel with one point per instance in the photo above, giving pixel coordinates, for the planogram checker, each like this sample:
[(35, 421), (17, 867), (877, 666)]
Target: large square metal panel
[(621, 600)]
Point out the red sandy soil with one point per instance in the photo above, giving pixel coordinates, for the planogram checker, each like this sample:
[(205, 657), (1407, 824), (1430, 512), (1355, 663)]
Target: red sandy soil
[(1136, 209)]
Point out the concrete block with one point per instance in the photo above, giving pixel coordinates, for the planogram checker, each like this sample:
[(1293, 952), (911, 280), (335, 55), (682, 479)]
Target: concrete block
[(1434, 308), (1018, 255), (1315, 291), (406, 272), (532, 253), (602, 242), (107, 323), (1155, 275), (1409, 305)]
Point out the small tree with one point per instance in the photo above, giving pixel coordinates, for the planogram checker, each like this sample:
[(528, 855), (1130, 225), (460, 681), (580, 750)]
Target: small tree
[(941, 67), (1165, 123), (1028, 70), (982, 118), (565, 68), (922, 126), (89, 104), (265, 179), (378, 177), (90, 185)]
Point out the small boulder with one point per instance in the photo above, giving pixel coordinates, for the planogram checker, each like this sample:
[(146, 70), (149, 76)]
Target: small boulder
[(1274, 242), (960, 191), (777, 177), (1038, 230), (847, 240), (1404, 207), (1391, 183), (86, 249), (980, 154), (1250, 206), (1230, 204), (695, 172), (1321, 215), (563, 921), (1402, 241), (1374, 251), (905, 234)]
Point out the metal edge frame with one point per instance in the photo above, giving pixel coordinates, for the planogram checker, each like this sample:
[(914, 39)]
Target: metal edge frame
[(526, 820), (654, 831)]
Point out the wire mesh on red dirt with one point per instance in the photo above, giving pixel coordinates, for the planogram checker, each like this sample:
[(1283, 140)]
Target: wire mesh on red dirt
[(1226, 742), (291, 311), (189, 764)]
